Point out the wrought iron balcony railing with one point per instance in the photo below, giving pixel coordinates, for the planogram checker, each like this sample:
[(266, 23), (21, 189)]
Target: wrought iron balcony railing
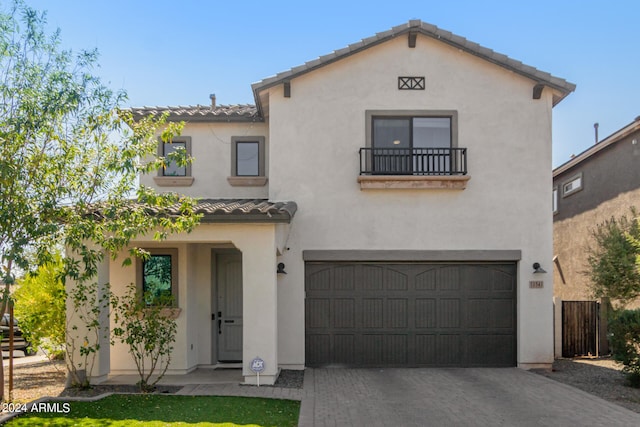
[(413, 161)]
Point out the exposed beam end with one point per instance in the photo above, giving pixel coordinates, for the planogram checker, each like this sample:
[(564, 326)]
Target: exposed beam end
[(537, 91), (413, 35)]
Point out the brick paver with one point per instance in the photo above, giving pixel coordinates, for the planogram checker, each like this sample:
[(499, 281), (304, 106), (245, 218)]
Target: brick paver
[(451, 397)]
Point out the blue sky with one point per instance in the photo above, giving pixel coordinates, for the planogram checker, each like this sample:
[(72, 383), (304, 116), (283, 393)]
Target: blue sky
[(178, 52)]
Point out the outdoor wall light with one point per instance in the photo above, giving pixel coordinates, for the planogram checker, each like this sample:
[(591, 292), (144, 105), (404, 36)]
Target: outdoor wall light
[(537, 268), (281, 268)]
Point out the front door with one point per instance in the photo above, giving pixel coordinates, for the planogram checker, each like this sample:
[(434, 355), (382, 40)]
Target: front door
[(228, 328)]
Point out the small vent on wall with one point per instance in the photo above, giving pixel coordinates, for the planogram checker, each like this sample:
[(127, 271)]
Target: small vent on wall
[(411, 83)]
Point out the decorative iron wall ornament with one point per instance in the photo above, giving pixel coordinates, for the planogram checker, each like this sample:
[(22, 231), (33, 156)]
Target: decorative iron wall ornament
[(411, 83)]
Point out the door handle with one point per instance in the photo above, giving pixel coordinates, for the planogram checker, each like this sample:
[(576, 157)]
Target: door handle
[(219, 327), (229, 321)]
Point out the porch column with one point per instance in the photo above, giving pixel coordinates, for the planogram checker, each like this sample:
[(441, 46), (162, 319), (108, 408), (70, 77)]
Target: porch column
[(77, 331), (260, 308)]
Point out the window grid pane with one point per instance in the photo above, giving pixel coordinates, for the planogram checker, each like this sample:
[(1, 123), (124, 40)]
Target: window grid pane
[(171, 168), (247, 158)]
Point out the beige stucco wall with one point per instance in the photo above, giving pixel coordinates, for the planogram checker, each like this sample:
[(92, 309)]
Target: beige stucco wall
[(211, 152), (193, 346), (572, 237), (505, 206)]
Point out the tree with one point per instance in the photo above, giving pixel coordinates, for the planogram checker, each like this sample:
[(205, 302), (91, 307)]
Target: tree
[(40, 307), (69, 162), (612, 259)]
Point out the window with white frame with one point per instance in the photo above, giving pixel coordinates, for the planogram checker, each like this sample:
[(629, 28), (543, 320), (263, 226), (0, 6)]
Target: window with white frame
[(555, 200), (572, 185)]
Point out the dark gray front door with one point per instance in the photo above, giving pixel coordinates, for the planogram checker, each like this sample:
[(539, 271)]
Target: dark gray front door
[(229, 302), (408, 314)]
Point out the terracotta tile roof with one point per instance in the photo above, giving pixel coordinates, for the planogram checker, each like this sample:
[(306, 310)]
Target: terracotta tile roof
[(244, 210), (196, 113), (559, 84)]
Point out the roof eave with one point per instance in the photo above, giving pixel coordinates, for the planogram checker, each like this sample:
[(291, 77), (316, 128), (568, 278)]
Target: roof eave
[(610, 140), (560, 85)]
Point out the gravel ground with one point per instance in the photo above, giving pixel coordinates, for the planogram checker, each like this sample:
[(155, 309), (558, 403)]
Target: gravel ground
[(601, 377), (35, 380)]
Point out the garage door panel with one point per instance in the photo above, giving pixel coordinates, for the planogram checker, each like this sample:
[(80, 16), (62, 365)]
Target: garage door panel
[(395, 350), (395, 280), (372, 278), (344, 313), (344, 347), (318, 278), (448, 313), (372, 312), (425, 349), (396, 313), (372, 350), (503, 281), (344, 278), (317, 313), (411, 314), (425, 313), (489, 350), (448, 350), (318, 349), (448, 278), (426, 281)]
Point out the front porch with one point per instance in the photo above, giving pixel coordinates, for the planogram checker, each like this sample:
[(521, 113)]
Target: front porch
[(224, 284)]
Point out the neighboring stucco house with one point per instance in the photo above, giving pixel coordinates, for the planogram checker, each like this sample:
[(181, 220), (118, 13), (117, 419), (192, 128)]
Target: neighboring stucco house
[(382, 205), (601, 182)]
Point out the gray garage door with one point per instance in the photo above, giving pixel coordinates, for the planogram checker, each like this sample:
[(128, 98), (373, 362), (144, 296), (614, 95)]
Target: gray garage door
[(409, 314)]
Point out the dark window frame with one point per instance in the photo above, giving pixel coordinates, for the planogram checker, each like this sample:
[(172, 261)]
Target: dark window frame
[(405, 114), (235, 140), (186, 140), (173, 253)]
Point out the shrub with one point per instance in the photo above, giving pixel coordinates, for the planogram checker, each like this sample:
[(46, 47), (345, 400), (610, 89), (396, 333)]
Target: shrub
[(148, 330), (624, 329), (40, 308)]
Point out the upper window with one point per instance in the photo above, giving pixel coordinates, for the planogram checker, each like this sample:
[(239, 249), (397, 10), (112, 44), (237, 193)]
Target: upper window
[(158, 277), (555, 200), (248, 161), (173, 168), (413, 143), (175, 173), (573, 185)]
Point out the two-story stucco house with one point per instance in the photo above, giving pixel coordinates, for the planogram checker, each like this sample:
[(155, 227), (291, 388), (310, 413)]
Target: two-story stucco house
[(380, 206)]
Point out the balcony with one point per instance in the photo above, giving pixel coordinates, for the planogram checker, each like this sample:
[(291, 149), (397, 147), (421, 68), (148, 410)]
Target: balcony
[(427, 168)]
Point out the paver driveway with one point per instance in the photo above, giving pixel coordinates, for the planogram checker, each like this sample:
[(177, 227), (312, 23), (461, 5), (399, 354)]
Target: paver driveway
[(451, 397)]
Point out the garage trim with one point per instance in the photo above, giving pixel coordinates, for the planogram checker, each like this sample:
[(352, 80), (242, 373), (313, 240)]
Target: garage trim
[(412, 255)]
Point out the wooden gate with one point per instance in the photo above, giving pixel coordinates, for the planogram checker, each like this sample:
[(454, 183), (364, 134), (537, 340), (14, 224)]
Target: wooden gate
[(580, 328)]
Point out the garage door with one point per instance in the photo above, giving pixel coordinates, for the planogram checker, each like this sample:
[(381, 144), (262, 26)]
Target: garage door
[(410, 314)]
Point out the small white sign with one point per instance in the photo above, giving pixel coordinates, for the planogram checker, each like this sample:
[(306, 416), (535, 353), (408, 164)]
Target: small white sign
[(257, 365)]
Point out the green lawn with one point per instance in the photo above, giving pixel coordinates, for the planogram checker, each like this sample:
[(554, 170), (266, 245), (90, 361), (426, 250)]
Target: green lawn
[(169, 410)]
